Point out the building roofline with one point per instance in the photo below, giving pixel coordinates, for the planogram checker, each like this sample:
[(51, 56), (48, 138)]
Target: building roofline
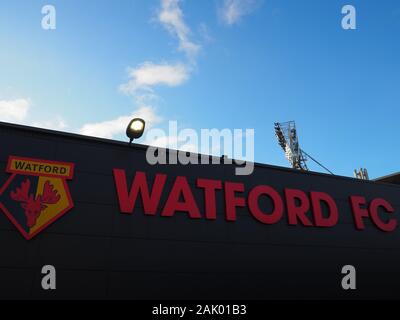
[(142, 147), (392, 175)]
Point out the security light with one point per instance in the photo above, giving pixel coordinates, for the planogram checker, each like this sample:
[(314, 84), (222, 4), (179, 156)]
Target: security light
[(135, 129)]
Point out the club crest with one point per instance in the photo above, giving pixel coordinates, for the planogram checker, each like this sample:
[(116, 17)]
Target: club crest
[(36, 194)]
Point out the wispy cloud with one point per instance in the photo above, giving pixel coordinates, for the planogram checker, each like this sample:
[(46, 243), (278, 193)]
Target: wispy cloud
[(58, 123), (148, 75), (18, 111), (110, 128), (144, 78), (14, 110), (232, 11), (171, 17), (205, 33), (173, 142)]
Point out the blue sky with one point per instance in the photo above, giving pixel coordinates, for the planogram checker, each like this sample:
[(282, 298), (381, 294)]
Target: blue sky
[(211, 64)]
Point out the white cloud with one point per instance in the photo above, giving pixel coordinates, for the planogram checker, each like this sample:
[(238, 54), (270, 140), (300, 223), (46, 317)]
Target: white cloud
[(53, 124), (18, 111), (14, 110), (111, 128), (232, 11), (149, 74), (171, 17), (173, 142), (205, 33)]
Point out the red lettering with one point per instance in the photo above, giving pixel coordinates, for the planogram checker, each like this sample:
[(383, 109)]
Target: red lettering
[(276, 214), (297, 212), (210, 187), (320, 220), (373, 209), (358, 213), (231, 201), (299, 204), (139, 185), (173, 204)]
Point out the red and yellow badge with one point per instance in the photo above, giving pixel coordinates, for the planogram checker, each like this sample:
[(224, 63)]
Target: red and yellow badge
[(36, 194)]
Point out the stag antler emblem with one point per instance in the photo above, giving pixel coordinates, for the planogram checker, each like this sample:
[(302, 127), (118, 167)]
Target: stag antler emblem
[(32, 206)]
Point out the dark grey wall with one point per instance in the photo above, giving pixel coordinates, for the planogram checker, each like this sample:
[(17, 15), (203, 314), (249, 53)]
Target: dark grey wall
[(100, 253)]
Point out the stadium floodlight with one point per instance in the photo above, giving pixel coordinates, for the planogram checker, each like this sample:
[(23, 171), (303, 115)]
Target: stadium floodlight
[(288, 139), (135, 129), (362, 174), (280, 136)]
